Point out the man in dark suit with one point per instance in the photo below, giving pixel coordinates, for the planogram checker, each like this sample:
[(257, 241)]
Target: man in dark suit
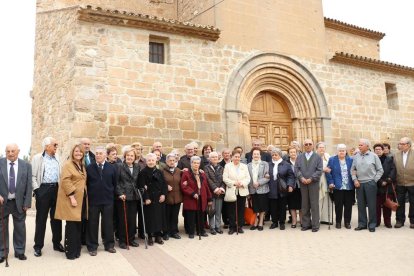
[(15, 199), (265, 156), (89, 156), (101, 183)]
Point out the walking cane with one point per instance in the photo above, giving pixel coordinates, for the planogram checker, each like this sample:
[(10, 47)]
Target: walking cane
[(198, 216), (126, 224), (329, 211), (237, 219), (143, 218), (6, 254)]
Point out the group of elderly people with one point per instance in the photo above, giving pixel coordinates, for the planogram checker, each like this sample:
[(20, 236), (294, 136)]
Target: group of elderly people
[(214, 191)]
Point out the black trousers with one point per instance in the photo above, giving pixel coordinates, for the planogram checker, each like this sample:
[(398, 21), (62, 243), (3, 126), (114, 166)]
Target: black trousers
[(343, 204), (46, 204), (19, 229), (172, 211), (73, 231), (231, 211), (194, 220), (131, 217), (401, 192), (106, 213), (278, 209), (224, 213)]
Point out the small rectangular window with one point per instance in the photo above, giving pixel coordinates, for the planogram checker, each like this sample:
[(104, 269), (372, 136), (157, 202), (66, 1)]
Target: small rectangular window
[(392, 95), (156, 52)]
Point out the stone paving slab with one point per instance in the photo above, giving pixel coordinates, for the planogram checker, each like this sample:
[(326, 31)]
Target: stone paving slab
[(291, 252)]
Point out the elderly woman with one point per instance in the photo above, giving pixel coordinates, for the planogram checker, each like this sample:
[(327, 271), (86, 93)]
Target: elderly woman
[(323, 187), (258, 187), (294, 198), (385, 185), (159, 164), (126, 190), (237, 178), (196, 197), (140, 160), (112, 154), (205, 158), (71, 201), (279, 170), (172, 176), (340, 181), (214, 174), (155, 189)]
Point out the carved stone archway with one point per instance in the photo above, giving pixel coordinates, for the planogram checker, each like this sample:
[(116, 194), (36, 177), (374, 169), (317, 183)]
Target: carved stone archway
[(285, 77)]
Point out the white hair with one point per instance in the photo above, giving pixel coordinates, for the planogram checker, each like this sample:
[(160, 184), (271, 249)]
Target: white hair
[(277, 151), (341, 147), (100, 148), (191, 145), (365, 141), (170, 155), (195, 158), (213, 153), (151, 155), (47, 141)]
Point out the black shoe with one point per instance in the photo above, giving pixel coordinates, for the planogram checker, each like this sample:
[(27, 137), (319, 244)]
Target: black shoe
[(338, 225), (359, 228), (38, 252), (347, 225), (134, 244), (150, 241), (93, 253), (213, 232), (175, 236), (159, 240), (204, 234), (231, 231), (388, 225), (240, 230), (314, 230), (282, 226), (225, 226), (2, 260), (166, 237), (398, 224), (260, 228), (273, 225), (306, 228), (122, 246), (219, 231), (21, 257), (371, 229), (59, 247), (191, 236), (111, 250), (253, 227)]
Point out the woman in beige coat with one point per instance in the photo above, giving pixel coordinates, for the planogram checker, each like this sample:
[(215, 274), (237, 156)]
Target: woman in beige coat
[(71, 203)]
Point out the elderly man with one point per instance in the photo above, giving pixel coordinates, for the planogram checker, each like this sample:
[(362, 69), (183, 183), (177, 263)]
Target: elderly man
[(15, 199), (404, 163), (308, 169), (184, 161), (264, 155), (195, 146), (46, 172), (89, 156), (158, 146), (366, 170), (101, 182)]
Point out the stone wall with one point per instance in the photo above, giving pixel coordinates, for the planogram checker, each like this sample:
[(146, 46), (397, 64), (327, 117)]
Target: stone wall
[(53, 93), (162, 8), (201, 12), (337, 41)]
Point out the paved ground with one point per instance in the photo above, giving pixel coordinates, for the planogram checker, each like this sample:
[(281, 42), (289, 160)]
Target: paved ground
[(292, 252)]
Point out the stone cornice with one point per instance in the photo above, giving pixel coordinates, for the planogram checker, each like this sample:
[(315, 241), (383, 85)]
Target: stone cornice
[(148, 22), (373, 64), (353, 29)]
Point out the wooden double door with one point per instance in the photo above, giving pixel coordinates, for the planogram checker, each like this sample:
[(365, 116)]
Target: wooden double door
[(270, 120)]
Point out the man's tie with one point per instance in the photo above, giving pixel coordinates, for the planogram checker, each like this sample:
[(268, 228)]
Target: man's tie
[(100, 169), (87, 160), (12, 182)]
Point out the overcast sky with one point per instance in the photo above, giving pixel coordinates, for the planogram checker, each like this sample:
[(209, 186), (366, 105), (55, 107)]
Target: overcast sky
[(17, 26)]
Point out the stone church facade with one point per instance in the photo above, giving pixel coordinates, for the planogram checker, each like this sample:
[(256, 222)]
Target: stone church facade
[(217, 72)]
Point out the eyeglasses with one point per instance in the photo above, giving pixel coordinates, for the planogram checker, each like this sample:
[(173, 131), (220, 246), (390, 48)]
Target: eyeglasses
[(55, 145), (402, 144), (307, 144)]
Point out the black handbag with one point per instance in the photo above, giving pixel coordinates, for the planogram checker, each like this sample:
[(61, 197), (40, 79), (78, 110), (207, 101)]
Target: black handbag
[(283, 187)]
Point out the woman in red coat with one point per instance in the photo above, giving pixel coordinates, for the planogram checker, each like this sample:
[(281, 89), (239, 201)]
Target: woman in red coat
[(196, 197)]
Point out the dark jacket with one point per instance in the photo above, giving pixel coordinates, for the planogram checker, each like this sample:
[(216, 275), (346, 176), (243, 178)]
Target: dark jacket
[(189, 190), (265, 156), (184, 162), (204, 162), (311, 168), (127, 183), (173, 179), (389, 175), (153, 183), (215, 178), (335, 176), (101, 188), (285, 172)]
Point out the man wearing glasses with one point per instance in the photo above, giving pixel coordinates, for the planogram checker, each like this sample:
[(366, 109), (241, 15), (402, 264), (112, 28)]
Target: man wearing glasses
[(404, 163), (308, 169), (46, 172), (366, 170)]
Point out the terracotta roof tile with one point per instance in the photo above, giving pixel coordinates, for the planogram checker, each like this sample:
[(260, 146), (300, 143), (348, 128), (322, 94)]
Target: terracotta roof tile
[(349, 28)]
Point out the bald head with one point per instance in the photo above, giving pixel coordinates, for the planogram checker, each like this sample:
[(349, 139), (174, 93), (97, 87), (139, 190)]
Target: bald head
[(157, 146), (86, 143), (12, 152)]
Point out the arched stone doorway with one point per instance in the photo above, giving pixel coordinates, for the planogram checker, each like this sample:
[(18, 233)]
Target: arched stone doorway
[(270, 120), (292, 82)]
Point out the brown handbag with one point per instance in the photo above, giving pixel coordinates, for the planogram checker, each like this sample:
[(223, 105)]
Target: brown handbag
[(389, 203)]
